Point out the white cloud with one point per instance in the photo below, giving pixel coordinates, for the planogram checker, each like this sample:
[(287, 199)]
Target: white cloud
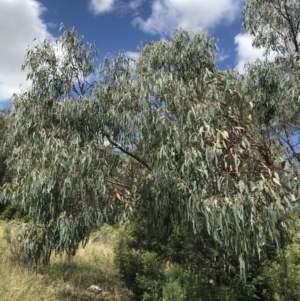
[(132, 54), (168, 15), (20, 23), (246, 53), (101, 6), (134, 4), (223, 56), (122, 7)]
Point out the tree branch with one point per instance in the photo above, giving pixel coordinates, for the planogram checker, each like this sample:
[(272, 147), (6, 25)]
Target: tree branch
[(121, 148)]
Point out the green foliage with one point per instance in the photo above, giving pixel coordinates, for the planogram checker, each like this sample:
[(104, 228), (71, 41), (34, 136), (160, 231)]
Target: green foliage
[(281, 275), (173, 140), (181, 285), (273, 87), (191, 268), (107, 234), (65, 222), (12, 212), (7, 211), (141, 270), (274, 24), (2, 154), (149, 269)]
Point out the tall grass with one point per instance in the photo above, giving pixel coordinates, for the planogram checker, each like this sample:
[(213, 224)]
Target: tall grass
[(66, 278)]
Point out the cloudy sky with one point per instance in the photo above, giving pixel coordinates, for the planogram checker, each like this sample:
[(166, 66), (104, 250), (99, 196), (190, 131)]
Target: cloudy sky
[(116, 25)]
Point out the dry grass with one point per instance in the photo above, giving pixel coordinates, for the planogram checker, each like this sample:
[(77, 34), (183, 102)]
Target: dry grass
[(65, 278)]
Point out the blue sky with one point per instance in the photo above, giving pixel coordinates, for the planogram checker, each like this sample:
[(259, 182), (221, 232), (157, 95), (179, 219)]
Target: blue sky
[(116, 25)]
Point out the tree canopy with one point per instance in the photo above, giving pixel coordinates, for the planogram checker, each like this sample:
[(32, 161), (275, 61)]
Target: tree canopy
[(167, 137)]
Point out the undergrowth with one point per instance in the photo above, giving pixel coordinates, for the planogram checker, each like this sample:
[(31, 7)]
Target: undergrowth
[(66, 278)]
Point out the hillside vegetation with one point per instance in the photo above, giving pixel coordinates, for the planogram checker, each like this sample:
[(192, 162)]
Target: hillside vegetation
[(67, 278), (202, 165), (116, 258)]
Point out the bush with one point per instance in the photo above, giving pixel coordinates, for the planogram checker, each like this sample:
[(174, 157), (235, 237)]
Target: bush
[(145, 265), (141, 270), (283, 275), (184, 268), (184, 285), (12, 212), (107, 234)]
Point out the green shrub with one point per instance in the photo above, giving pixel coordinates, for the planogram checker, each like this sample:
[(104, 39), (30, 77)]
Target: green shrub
[(12, 212), (141, 270), (146, 267), (184, 285), (107, 234), (186, 268), (283, 275)]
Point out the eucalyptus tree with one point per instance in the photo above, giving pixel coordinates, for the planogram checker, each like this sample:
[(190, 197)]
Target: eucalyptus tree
[(274, 24), (170, 140), (274, 86)]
